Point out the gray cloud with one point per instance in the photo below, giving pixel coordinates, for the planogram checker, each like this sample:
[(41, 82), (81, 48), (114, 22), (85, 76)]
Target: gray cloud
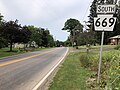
[(49, 14)]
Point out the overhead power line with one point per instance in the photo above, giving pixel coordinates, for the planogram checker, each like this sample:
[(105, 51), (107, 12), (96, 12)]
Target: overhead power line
[(86, 11)]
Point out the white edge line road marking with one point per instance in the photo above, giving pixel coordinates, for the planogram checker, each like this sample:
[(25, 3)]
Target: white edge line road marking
[(44, 78)]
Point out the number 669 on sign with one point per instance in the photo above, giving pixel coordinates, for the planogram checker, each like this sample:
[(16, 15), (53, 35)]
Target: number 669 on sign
[(104, 22)]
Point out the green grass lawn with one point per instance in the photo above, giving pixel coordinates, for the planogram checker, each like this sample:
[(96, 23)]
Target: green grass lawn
[(5, 51), (98, 46), (71, 75)]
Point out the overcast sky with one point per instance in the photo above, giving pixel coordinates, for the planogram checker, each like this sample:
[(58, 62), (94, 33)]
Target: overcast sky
[(50, 14)]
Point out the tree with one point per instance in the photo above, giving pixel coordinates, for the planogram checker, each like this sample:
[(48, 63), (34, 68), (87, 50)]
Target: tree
[(3, 41), (71, 25), (24, 34), (51, 42), (36, 35), (14, 33), (67, 42), (47, 38), (59, 43), (74, 27), (45, 35), (1, 18), (86, 38), (10, 31), (41, 36), (93, 14), (117, 26)]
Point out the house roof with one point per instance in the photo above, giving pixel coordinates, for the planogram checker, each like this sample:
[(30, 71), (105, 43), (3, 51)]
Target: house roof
[(115, 37)]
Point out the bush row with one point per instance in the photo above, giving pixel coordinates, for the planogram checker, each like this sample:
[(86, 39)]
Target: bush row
[(110, 69)]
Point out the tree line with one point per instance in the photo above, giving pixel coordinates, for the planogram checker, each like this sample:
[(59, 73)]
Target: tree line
[(78, 36), (12, 32)]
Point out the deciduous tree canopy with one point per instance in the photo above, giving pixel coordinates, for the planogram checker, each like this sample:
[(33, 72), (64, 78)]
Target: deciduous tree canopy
[(75, 28), (11, 32)]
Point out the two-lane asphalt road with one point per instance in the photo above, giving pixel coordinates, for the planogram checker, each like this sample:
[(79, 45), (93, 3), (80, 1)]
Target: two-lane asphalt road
[(25, 71)]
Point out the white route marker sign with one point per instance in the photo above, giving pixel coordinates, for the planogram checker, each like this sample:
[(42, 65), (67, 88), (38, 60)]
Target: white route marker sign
[(104, 22)]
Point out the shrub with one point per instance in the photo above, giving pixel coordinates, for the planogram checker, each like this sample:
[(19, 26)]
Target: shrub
[(117, 47), (110, 68), (84, 60)]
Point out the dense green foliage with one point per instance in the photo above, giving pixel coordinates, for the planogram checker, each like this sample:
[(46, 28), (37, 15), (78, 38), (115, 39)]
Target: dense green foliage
[(14, 33), (110, 70), (117, 47), (41, 36), (75, 28), (93, 14), (2, 40), (11, 32)]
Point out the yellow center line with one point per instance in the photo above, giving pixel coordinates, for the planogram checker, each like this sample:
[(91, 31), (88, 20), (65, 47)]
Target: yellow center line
[(21, 59)]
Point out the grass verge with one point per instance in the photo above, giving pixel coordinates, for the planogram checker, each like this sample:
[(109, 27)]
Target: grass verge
[(79, 71), (71, 76), (5, 51)]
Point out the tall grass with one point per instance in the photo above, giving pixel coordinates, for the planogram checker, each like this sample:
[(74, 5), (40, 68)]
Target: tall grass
[(110, 69)]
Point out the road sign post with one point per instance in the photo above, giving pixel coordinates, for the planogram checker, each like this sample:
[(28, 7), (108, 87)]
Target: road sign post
[(104, 22), (100, 60)]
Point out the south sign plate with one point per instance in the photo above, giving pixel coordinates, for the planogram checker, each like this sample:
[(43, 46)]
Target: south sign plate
[(106, 9), (104, 22)]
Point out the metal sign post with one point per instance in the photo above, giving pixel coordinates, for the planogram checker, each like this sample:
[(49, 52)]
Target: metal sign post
[(100, 61), (104, 21)]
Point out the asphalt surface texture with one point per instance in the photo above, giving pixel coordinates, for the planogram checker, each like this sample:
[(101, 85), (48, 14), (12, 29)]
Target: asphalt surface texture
[(25, 71)]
